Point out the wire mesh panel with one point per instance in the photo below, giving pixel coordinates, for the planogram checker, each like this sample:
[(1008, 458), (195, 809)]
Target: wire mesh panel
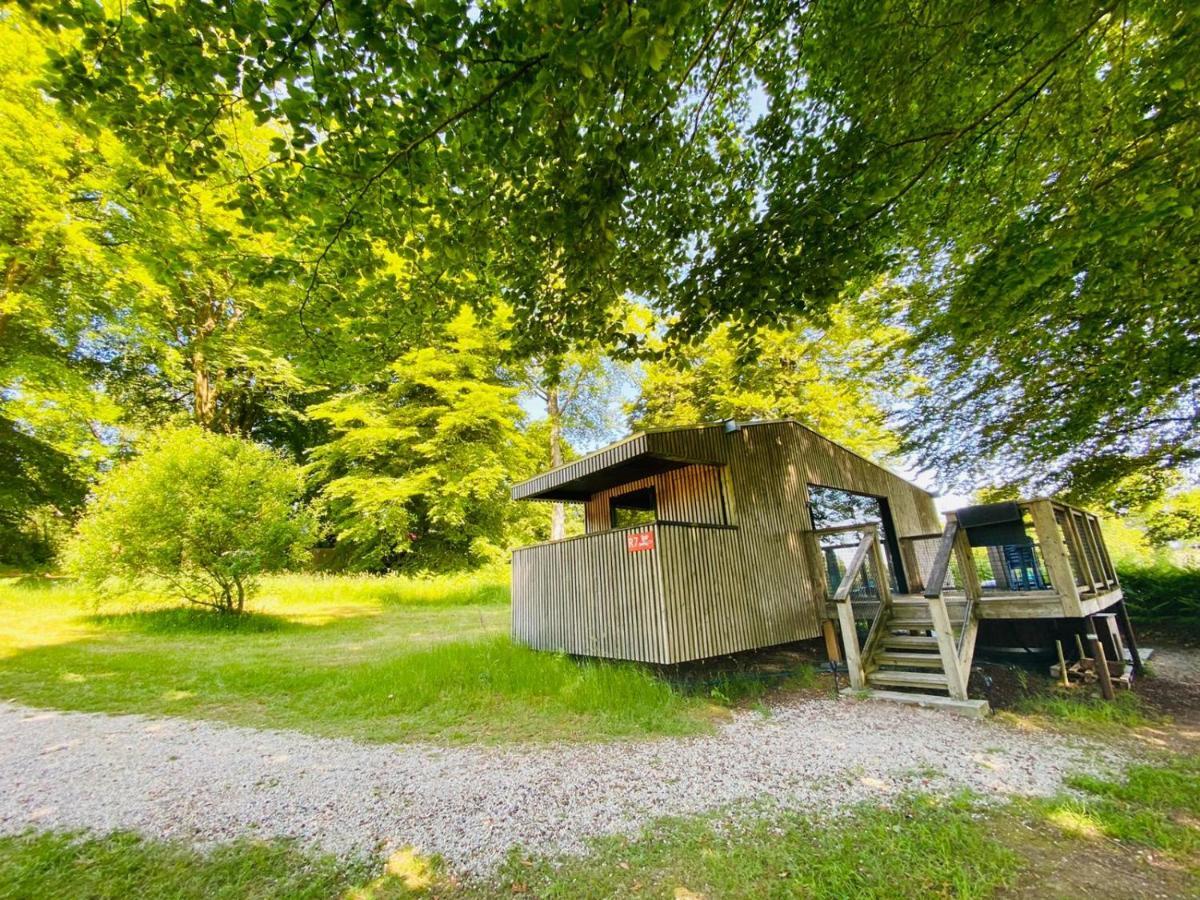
[(921, 551), (837, 552)]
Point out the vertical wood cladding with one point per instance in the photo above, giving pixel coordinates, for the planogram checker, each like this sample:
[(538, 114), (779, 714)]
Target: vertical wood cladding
[(590, 596), (690, 494), (704, 590)]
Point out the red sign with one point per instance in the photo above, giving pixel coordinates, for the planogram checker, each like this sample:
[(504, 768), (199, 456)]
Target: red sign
[(637, 541)]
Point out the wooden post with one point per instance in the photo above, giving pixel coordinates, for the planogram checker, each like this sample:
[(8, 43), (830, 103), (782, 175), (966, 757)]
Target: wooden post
[(854, 666), (1054, 552), (1062, 664), (1126, 626), (1101, 664), (832, 650), (966, 566), (845, 610), (956, 683), (912, 566)]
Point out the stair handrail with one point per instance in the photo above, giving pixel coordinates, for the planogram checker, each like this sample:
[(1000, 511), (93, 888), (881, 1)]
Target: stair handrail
[(857, 562), (948, 646), (941, 561), (882, 591), (841, 598)]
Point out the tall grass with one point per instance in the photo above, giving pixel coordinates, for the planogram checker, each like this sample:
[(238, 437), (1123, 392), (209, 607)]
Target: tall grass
[(379, 659), (485, 587)]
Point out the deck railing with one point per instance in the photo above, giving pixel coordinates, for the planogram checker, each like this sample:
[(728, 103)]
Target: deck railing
[(865, 563)]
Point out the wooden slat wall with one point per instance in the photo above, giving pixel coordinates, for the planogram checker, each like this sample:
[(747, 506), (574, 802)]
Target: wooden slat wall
[(690, 494), (589, 595), (779, 596), (711, 591)]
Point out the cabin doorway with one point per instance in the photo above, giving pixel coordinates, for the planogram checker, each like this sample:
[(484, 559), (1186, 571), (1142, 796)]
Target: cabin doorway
[(834, 508)]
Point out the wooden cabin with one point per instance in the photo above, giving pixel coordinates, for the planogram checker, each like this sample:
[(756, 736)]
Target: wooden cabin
[(698, 542), (709, 540)]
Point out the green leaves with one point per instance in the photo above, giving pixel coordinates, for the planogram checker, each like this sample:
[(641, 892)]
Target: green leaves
[(205, 513), (416, 473)]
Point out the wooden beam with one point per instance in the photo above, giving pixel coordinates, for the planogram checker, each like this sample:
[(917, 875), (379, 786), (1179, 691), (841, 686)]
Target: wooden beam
[(832, 649), (854, 663), (941, 562), (946, 646), (1101, 664), (1054, 552), (912, 565), (1126, 627)]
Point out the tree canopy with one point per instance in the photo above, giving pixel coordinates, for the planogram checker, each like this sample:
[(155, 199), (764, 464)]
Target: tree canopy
[(270, 217)]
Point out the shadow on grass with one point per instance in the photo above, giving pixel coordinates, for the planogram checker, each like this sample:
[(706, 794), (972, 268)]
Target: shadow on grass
[(35, 581), (191, 620)]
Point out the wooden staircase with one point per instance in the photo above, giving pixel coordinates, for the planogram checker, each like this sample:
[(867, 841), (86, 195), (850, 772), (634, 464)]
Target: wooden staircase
[(907, 654), (919, 647)]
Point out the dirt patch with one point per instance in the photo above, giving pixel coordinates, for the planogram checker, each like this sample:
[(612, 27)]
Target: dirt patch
[(772, 675), (1005, 685), (1058, 865)]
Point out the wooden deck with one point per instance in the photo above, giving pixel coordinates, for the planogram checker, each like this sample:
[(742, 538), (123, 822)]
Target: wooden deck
[(926, 642), (996, 604)]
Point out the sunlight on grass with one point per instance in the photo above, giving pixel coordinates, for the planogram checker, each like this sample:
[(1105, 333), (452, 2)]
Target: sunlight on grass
[(1156, 805), (374, 658), (1087, 713), (1075, 821)]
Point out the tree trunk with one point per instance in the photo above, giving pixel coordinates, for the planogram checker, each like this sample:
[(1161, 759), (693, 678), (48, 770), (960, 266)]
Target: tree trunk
[(204, 383), (558, 513), (204, 392)]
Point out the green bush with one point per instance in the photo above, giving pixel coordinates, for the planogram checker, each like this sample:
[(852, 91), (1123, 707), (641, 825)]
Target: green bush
[(203, 513), (1162, 595)]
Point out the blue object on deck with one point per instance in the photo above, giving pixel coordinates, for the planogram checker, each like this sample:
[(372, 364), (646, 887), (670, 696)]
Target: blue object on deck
[(1023, 571)]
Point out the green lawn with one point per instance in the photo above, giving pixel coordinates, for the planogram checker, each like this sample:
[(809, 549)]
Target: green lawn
[(380, 659), (1134, 835)]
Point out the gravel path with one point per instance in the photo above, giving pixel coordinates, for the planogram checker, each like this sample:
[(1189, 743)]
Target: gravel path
[(204, 782)]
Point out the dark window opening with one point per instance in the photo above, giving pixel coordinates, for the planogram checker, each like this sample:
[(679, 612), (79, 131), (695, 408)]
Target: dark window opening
[(831, 508), (638, 507)]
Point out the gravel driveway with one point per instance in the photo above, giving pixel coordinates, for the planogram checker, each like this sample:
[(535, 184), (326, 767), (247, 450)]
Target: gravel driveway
[(204, 782)]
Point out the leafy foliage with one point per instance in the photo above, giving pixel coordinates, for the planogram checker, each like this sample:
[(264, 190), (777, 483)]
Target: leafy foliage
[(417, 469), (826, 378), (1163, 596), (205, 513), (511, 141), (235, 211), (1175, 517)]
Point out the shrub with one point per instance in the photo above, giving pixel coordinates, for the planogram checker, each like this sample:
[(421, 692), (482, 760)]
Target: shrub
[(1163, 595), (203, 512)]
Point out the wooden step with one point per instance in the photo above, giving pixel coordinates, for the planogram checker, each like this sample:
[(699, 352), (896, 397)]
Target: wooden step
[(909, 679), (975, 709), (908, 642), (951, 604), (899, 658), (914, 621)]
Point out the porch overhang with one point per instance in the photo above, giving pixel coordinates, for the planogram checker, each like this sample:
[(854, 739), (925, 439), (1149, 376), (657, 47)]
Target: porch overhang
[(638, 456)]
